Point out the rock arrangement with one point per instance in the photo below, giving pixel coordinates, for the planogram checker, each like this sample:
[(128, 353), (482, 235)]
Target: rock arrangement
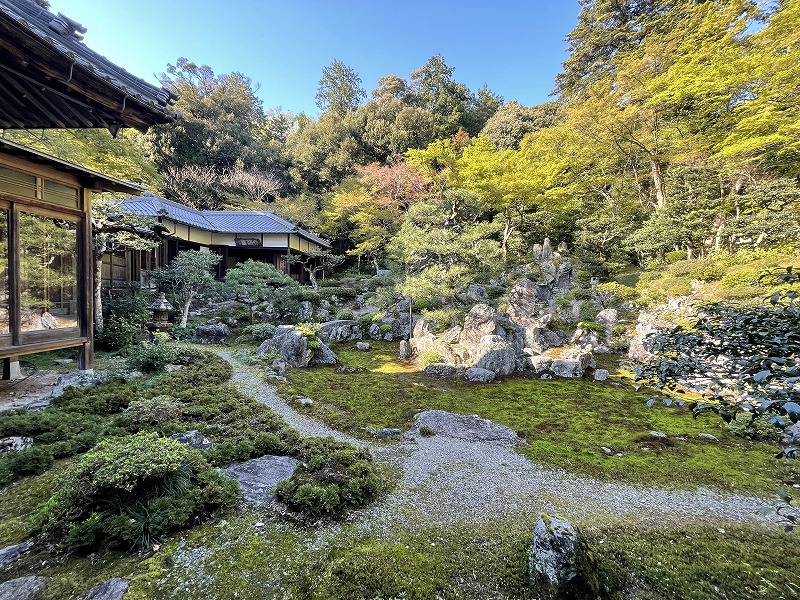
[(294, 349), (495, 344)]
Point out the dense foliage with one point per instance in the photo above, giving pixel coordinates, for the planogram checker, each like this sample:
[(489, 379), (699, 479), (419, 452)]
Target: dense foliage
[(129, 492)]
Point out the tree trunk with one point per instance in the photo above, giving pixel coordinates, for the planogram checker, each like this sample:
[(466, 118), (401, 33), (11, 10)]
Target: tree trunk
[(658, 182), (186, 305), (377, 266), (312, 279), (508, 228), (99, 324)]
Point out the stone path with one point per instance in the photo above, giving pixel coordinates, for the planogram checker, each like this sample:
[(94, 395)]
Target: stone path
[(446, 480)]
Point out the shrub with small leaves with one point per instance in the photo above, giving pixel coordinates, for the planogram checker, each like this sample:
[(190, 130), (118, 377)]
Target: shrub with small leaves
[(130, 492), (345, 315), (150, 358), (613, 294), (428, 358), (154, 411)]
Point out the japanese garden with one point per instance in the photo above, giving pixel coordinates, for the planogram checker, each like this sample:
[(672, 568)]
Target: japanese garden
[(429, 342)]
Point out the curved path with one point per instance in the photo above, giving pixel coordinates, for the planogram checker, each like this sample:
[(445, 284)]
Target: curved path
[(446, 480)]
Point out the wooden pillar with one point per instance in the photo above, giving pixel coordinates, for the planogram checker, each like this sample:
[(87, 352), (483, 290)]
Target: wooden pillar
[(86, 274)]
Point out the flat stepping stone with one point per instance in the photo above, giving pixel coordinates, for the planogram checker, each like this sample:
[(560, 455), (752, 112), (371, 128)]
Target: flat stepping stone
[(113, 589), (466, 427), (22, 588), (259, 476)]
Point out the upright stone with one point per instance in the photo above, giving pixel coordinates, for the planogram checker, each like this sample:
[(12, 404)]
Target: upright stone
[(547, 250), (405, 350), (553, 560)]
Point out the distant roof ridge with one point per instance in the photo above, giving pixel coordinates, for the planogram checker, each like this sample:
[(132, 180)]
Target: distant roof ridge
[(207, 216)]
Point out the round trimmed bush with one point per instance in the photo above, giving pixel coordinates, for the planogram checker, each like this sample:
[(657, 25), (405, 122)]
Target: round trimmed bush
[(129, 492)]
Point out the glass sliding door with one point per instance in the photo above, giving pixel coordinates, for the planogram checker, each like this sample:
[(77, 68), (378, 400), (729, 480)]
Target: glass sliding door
[(48, 276)]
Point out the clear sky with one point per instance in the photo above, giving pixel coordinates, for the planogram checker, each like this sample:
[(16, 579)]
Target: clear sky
[(514, 46)]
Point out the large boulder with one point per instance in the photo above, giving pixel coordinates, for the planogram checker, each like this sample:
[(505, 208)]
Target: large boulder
[(438, 369), (478, 375), (259, 476), (291, 345), (495, 354), (647, 325), (340, 330), (522, 303), (477, 293), (608, 317), (11, 554), (466, 427), (567, 368), (479, 322), (324, 356), (539, 364), (553, 563), (113, 589), (211, 334), (22, 588)]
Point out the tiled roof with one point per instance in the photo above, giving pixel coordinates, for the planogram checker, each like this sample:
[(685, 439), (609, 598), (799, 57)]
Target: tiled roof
[(219, 221), (64, 83)]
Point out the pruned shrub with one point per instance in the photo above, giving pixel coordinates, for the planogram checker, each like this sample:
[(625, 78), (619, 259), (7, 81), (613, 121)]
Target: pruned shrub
[(154, 411), (613, 294), (670, 258), (150, 358), (707, 271), (593, 327), (130, 492), (260, 331), (345, 315), (332, 476), (34, 460)]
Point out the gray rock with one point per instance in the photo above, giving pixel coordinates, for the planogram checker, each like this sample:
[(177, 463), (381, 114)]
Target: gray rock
[(259, 476), (63, 361), (382, 273), (11, 554), (563, 279), (496, 354), (77, 379), (211, 334), (339, 330), (451, 335), (22, 588), (364, 346), (389, 433), (305, 401), (466, 427), (658, 434), (170, 368), (708, 436), (439, 369), (477, 292), (291, 345), (324, 356), (553, 557), (600, 374), (279, 366), (479, 322), (193, 439), (522, 303), (375, 331), (606, 449), (405, 350), (608, 317), (476, 374), (113, 589), (15, 443), (791, 434), (547, 250), (540, 364), (566, 368), (305, 311)]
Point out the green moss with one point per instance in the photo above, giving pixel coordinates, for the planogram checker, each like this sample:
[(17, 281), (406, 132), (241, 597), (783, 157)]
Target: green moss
[(701, 561), (18, 501), (564, 421)]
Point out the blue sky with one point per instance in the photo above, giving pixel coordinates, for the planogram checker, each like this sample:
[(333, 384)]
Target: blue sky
[(514, 46)]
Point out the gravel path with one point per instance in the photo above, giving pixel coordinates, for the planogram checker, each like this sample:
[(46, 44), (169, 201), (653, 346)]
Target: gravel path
[(446, 480)]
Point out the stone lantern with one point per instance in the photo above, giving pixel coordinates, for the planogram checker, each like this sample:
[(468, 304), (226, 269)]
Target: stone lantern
[(161, 312)]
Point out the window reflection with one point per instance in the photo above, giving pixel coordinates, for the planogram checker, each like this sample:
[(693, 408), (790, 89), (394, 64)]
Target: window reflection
[(48, 274), (4, 323)]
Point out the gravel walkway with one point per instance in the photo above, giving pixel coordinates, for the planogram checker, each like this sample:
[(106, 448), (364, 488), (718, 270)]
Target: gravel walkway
[(446, 480)]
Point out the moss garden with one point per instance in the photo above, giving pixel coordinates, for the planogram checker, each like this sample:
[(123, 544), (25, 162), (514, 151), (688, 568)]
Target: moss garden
[(105, 494)]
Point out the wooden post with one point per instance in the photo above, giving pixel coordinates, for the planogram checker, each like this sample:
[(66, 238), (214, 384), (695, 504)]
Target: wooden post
[(86, 274)]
